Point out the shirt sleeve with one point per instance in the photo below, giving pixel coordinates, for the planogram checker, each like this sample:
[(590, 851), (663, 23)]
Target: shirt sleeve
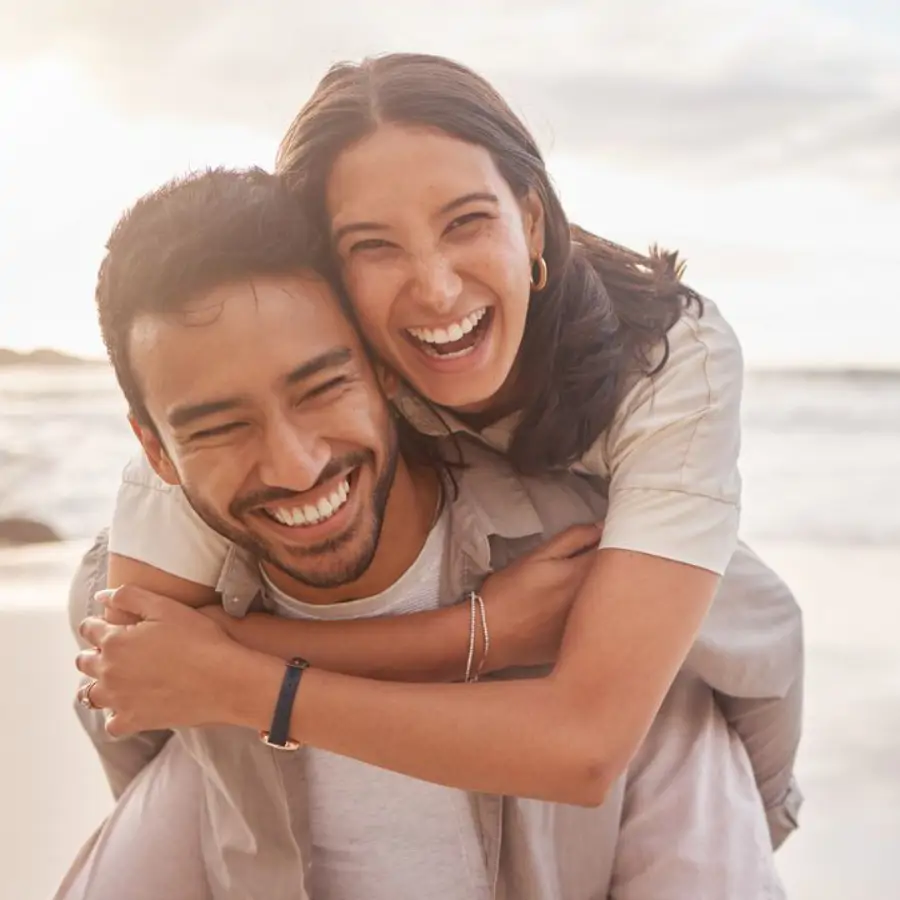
[(671, 452), (154, 524)]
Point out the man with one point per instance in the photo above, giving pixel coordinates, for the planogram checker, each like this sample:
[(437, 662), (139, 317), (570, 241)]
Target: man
[(252, 391)]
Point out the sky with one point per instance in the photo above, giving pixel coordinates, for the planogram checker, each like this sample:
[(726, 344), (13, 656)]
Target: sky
[(761, 139)]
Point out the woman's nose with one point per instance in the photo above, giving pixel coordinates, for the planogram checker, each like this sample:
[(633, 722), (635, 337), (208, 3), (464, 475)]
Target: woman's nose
[(437, 284)]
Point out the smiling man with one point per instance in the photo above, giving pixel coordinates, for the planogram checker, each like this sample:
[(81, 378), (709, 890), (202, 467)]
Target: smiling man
[(252, 392), (292, 461)]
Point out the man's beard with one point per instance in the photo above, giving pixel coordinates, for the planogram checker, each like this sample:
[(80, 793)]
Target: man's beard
[(353, 568)]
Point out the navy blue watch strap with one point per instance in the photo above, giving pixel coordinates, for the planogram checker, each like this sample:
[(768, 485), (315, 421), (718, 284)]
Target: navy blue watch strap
[(278, 735)]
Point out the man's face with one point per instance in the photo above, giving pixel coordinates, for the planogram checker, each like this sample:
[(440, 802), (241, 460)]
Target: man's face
[(271, 419)]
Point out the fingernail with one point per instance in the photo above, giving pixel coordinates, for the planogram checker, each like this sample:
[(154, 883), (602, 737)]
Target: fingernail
[(105, 595)]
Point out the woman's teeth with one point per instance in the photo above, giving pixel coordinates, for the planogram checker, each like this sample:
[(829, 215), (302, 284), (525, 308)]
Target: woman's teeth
[(454, 332), (313, 515)]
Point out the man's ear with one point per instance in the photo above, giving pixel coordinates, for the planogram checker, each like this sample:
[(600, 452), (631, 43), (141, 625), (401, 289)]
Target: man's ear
[(154, 451), (533, 221), (388, 379)]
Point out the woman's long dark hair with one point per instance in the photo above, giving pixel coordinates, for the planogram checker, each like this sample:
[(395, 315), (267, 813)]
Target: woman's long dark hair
[(604, 308)]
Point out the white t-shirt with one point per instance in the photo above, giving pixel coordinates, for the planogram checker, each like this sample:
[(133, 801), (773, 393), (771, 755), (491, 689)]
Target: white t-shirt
[(670, 455), (378, 835)]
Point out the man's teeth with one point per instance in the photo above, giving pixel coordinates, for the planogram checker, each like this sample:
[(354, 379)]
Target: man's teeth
[(312, 515), (452, 332)]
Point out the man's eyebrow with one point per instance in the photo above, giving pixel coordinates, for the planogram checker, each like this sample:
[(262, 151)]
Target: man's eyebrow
[(331, 359), (190, 413), (475, 196)]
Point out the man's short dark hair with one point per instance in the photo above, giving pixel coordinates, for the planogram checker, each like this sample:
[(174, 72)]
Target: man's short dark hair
[(192, 235)]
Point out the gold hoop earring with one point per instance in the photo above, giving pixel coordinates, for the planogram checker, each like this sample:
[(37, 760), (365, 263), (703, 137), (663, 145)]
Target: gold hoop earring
[(541, 282)]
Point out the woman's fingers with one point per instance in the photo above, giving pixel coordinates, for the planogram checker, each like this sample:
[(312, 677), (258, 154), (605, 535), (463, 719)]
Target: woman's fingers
[(572, 542), (96, 630), (87, 662)]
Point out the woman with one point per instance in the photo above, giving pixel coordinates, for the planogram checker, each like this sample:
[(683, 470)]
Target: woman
[(561, 350)]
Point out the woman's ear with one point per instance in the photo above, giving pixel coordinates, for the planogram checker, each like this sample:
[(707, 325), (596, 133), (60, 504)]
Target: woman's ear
[(533, 221), (154, 451)]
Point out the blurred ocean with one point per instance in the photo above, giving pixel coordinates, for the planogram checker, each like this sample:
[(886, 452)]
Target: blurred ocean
[(821, 452)]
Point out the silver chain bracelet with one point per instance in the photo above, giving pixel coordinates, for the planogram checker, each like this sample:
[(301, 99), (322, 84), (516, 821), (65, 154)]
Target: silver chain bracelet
[(477, 611)]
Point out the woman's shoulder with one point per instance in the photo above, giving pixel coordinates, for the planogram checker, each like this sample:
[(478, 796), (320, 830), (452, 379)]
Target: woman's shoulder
[(671, 452), (697, 372), (702, 333)]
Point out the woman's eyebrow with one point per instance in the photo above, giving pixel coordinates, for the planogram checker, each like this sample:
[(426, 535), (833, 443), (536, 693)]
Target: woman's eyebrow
[(472, 197), (344, 230), (475, 196)]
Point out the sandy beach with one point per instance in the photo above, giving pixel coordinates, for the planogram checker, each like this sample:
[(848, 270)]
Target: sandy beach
[(54, 794)]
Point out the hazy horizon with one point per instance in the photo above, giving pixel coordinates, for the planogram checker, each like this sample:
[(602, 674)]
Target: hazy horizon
[(759, 368), (762, 140)]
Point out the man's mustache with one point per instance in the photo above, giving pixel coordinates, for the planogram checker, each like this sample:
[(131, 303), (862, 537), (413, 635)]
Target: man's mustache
[(244, 504)]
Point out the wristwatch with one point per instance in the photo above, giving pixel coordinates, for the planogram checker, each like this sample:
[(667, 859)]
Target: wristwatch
[(277, 736)]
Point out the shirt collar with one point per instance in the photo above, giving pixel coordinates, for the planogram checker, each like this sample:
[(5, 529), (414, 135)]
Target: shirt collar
[(436, 421)]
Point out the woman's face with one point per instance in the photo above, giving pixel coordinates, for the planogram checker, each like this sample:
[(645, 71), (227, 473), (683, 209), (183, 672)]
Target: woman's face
[(436, 253)]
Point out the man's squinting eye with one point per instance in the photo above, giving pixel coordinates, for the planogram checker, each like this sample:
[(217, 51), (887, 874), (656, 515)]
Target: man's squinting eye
[(327, 387), (216, 431)]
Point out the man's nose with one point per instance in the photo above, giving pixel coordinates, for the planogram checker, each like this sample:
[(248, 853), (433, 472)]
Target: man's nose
[(292, 458), (437, 284)]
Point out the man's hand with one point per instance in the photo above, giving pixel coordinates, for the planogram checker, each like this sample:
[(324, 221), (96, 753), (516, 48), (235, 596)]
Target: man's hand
[(166, 671), (528, 602)]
